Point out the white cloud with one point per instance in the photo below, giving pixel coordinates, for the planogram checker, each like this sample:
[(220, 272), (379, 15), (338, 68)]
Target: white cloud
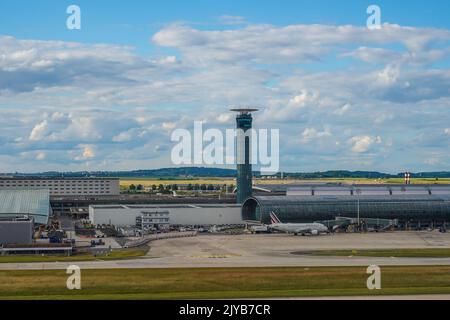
[(87, 152), (27, 65), (313, 135), (58, 97), (123, 137), (41, 156), (379, 118), (303, 99), (374, 55), (362, 144), (168, 60), (169, 125), (224, 118), (290, 44), (388, 75), (342, 110), (39, 131), (76, 128)]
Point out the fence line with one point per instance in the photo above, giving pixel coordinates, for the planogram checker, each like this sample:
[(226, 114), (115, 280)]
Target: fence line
[(161, 236)]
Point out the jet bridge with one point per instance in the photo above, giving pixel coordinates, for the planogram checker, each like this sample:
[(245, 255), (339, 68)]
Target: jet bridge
[(365, 223)]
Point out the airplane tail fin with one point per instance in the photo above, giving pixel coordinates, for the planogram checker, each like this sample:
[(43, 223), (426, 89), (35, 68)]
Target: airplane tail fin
[(273, 218)]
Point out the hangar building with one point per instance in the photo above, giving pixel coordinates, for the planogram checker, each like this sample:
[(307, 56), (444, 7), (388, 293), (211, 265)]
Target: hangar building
[(34, 203)]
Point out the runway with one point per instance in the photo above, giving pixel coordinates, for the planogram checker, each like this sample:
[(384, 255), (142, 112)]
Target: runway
[(229, 262), (265, 251)]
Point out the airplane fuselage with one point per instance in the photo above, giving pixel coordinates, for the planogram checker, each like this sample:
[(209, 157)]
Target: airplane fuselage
[(300, 228)]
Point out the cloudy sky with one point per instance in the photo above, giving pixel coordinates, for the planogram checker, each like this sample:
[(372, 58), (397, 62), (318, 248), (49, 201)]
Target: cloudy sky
[(108, 96)]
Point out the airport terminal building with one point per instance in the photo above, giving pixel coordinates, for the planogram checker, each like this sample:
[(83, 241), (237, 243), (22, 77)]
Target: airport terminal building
[(425, 205)]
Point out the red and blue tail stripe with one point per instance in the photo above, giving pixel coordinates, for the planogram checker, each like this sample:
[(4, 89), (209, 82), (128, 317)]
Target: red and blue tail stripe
[(274, 219)]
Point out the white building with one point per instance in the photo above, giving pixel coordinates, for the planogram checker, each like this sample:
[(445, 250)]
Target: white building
[(64, 186), (187, 215)]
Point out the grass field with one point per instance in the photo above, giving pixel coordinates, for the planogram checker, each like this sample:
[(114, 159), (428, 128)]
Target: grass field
[(398, 253), (114, 255), (217, 283), (148, 182)]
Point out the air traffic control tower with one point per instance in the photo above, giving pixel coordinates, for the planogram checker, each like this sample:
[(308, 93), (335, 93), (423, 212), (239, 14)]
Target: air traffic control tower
[(244, 167)]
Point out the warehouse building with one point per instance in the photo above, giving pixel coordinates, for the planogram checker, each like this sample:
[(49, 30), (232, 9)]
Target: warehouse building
[(426, 209), (179, 214), (18, 231), (64, 186), (34, 203)]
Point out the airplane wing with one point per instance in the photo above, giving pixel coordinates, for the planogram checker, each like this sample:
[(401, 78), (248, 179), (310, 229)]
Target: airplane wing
[(303, 230)]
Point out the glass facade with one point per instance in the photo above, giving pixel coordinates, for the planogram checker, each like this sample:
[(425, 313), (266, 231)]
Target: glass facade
[(317, 208)]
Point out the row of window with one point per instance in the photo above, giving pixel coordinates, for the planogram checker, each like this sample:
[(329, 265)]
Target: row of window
[(68, 189), (54, 184), (79, 192), (63, 187), (155, 220)]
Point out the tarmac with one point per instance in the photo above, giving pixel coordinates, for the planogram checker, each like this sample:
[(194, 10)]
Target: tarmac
[(274, 250)]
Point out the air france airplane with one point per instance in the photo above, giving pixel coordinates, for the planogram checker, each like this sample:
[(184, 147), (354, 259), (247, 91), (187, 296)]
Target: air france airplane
[(297, 228)]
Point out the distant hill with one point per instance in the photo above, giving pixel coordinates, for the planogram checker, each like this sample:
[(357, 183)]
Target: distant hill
[(441, 174), (341, 174), (365, 174), (195, 172), (153, 173)]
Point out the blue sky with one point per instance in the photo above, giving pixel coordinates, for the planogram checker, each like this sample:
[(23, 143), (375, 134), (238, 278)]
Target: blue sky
[(342, 96), (131, 22)]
